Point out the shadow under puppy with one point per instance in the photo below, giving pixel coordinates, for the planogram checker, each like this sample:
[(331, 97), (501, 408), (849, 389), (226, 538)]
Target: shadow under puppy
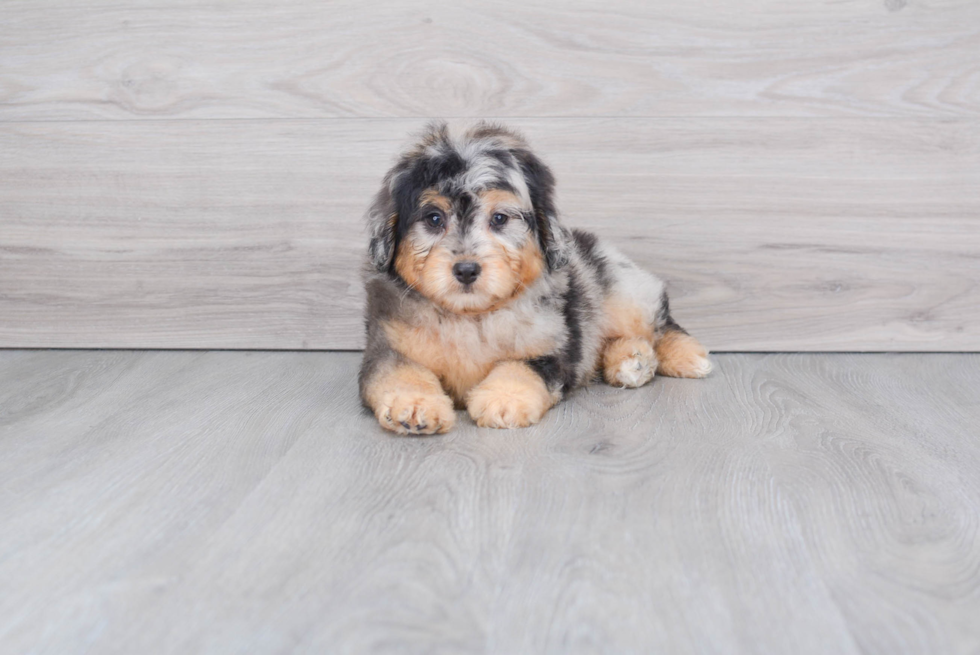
[(478, 297)]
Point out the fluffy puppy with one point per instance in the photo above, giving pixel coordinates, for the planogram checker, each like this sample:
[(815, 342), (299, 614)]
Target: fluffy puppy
[(479, 298)]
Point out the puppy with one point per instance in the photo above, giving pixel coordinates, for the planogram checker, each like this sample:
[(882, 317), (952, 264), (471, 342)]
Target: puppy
[(479, 298)]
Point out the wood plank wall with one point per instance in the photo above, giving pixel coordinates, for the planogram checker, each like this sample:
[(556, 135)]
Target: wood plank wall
[(177, 174)]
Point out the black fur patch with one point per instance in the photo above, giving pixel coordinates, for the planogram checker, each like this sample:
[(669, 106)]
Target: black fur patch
[(541, 189), (550, 370), (464, 209), (560, 371), (664, 320), (382, 302), (587, 246), (540, 182), (420, 174), (571, 354)]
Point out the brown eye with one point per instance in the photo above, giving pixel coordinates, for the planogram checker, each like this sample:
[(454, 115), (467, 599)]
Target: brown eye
[(498, 219), (434, 219)]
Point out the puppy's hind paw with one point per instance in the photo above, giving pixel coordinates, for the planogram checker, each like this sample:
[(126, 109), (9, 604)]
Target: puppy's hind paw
[(682, 356), (628, 362)]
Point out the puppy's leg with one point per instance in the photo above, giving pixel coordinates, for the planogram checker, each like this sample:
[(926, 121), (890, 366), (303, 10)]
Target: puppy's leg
[(680, 355), (628, 358), (408, 399), (641, 336), (641, 341), (628, 362), (513, 395)]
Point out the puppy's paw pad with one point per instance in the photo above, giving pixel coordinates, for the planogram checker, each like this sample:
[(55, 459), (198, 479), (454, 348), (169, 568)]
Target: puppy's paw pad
[(634, 372), (416, 413), (629, 363)]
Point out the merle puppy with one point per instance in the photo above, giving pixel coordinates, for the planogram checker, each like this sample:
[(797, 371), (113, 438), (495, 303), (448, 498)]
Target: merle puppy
[(479, 298)]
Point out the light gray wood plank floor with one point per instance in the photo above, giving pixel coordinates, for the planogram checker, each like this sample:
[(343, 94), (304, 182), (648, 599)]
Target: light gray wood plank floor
[(244, 502)]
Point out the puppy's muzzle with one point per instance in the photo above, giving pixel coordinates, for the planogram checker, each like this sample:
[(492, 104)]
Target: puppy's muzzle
[(466, 272)]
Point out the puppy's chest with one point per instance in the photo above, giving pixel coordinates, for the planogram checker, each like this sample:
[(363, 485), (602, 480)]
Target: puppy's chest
[(462, 350)]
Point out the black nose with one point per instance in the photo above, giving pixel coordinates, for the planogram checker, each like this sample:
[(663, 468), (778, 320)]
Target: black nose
[(466, 272)]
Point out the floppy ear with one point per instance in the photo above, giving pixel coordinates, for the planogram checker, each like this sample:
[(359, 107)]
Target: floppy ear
[(398, 194), (382, 219), (556, 241), (555, 238)]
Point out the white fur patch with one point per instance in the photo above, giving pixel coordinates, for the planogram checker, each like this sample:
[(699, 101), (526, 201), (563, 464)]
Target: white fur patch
[(636, 371), (702, 367), (631, 281)]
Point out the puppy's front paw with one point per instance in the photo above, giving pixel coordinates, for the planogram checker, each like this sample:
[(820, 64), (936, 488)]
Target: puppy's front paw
[(512, 396), (416, 412)]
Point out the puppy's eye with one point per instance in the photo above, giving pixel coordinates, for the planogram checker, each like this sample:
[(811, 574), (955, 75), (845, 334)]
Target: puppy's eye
[(434, 220), (498, 219)]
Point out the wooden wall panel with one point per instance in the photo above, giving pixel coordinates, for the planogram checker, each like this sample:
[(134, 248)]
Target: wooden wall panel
[(186, 174), (774, 234), (514, 58)]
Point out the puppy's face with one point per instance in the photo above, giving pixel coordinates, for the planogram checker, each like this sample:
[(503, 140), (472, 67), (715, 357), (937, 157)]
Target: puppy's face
[(467, 221), (470, 252)]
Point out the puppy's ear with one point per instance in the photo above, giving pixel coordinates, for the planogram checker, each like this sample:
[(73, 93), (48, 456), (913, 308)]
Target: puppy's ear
[(382, 220), (556, 241), (399, 192), (555, 238)]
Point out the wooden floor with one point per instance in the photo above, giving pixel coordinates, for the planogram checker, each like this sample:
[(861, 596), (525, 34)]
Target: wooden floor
[(231, 502)]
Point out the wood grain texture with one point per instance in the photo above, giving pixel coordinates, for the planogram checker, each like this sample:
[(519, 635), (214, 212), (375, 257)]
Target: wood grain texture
[(250, 59), (227, 502), (774, 234)]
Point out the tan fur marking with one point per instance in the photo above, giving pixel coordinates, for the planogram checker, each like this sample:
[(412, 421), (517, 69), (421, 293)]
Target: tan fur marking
[(430, 272), (530, 265), (628, 362), (494, 198), (409, 263), (681, 356), (514, 272), (622, 318), (512, 396), (459, 369), (436, 199), (408, 399)]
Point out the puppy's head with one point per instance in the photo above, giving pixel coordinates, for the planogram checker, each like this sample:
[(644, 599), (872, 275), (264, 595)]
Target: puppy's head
[(469, 221)]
